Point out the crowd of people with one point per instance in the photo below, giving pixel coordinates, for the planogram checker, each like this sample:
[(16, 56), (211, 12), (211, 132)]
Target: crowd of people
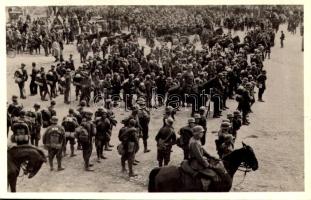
[(119, 70)]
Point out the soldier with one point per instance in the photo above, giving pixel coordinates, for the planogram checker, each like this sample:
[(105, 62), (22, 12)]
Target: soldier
[(51, 108), (186, 133), (86, 91), (21, 77), (42, 82), (202, 121), (169, 112), (116, 88), (188, 80), (261, 84), (21, 127), (236, 123), (71, 64), (85, 133), (52, 79), (70, 123), (33, 86), (14, 108), (37, 125), (54, 140), (67, 87), (149, 85), (222, 134), (282, 38), (103, 134), (144, 119), (160, 84), (165, 139), (77, 81), (196, 155), (129, 139), (128, 91)]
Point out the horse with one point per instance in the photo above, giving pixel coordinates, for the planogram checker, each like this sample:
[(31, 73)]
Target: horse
[(23, 155), (172, 179)]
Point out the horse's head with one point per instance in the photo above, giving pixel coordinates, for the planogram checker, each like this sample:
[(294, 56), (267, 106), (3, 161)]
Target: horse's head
[(249, 157), (35, 161), (30, 157)]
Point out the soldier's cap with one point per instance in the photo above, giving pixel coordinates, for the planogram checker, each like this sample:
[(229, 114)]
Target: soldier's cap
[(14, 97), (68, 70), (108, 100), (191, 120), (23, 65), (169, 109), (53, 103), (83, 103), (229, 115), (225, 124), (228, 137), (196, 116), (22, 113), (197, 130), (169, 78), (33, 64), (131, 75), (36, 105), (88, 112), (169, 120), (70, 54), (54, 119), (132, 122), (135, 108), (78, 75), (52, 66), (202, 108), (148, 76), (236, 112)]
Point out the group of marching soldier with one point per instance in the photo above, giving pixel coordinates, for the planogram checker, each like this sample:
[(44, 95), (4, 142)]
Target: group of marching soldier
[(143, 82)]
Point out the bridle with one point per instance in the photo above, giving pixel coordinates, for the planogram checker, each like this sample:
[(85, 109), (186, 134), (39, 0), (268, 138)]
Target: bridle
[(23, 167), (244, 168)]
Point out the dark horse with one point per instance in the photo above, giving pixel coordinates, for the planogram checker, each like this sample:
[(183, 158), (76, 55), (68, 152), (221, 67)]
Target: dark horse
[(23, 155), (172, 179), (196, 97)]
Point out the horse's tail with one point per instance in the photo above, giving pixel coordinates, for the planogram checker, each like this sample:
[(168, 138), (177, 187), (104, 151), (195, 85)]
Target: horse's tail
[(151, 185)]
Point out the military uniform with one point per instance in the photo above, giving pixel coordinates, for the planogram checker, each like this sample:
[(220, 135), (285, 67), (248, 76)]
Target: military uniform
[(102, 136), (87, 145), (129, 139), (165, 138), (54, 139), (21, 77), (33, 86), (185, 135), (69, 123), (21, 129), (67, 87), (37, 125)]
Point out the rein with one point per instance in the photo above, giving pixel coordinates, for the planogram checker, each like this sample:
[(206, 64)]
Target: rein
[(24, 169), (244, 168)]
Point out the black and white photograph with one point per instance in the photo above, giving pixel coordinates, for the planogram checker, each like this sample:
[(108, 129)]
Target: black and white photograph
[(155, 98)]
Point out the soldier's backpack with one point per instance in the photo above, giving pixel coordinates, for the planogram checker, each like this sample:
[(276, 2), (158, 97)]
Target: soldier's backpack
[(69, 124), (20, 132), (82, 134), (46, 117), (38, 80), (55, 138)]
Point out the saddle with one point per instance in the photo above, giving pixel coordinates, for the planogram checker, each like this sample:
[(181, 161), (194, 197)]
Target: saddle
[(216, 177)]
